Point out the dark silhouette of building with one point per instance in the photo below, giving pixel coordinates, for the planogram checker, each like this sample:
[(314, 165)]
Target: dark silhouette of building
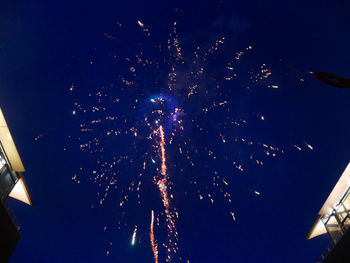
[(334, 219), (12, 184)]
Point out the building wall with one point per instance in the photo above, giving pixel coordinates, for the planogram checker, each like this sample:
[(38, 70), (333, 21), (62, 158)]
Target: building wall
[(9, 235)]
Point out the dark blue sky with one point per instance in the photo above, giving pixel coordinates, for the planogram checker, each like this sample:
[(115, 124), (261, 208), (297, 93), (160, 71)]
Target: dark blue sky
[(45, 47)]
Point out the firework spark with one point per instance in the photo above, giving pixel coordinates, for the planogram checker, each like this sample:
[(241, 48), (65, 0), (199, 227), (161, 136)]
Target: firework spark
[(163, 188), (133, 239), (140, 23), (162, 147), (153, 241)]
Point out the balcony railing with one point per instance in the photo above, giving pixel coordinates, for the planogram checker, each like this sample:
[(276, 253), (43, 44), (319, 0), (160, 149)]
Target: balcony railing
[(13, 216), (325, 253), (336, 224)]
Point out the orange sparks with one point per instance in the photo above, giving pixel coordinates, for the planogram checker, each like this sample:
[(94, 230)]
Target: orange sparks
[(162, 185), (162, 182), (153, 241), (162, 146)]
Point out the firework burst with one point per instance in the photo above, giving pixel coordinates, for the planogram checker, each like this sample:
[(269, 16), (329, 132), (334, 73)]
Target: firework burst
[(168, 110)]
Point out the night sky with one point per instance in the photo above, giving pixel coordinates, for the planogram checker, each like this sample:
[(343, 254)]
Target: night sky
[(258, 129)]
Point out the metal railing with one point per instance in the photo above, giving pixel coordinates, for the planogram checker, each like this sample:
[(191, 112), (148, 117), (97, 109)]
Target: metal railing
[(344, 227), (325, 253), (13, 216)]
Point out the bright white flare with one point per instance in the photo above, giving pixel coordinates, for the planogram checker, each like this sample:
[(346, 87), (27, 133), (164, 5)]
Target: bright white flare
[(133, 236), (140, 23)]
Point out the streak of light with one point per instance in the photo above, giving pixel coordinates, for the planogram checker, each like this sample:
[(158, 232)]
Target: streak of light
[(309, 146), (153, 241), (233, 216), (140, 23), (162, 144), (134, 236), (162, 185), (296, 146)]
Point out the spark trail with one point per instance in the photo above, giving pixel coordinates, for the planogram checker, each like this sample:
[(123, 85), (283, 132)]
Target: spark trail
[(134, 236), (162, 145), (153, 241), (162, 185)]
